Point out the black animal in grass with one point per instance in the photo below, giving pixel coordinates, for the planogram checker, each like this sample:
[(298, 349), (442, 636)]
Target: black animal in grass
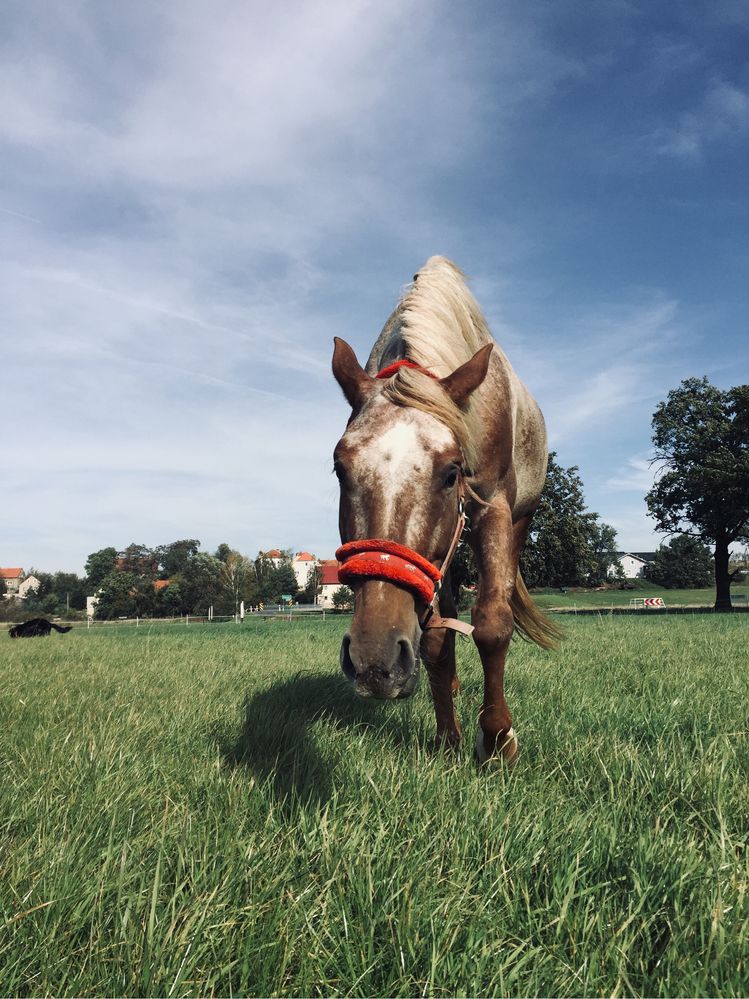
[(37, 627)]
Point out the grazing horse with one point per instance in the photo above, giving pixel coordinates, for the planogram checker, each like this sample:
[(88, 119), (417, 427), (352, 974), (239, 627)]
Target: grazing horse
[(37, 627), (442, 431)]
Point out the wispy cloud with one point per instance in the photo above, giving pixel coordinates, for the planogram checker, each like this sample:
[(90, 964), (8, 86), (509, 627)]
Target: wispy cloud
[(613, 363), (637, 476), (722, 114)]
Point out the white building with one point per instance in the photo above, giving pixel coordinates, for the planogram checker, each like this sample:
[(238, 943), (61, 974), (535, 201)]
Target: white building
[(302, 564), (633, 563), (18, 585), (274, 555), (13, 579), (30, 585)]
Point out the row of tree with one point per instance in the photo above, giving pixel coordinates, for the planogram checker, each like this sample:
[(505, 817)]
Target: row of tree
[(191, 580), (168, 580)]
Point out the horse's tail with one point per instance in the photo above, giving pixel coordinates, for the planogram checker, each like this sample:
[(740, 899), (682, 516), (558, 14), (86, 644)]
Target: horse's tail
[(529, 620), (57, 627)]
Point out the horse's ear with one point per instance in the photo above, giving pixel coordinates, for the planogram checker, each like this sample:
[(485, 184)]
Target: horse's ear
[(468, 376), (349, 374)]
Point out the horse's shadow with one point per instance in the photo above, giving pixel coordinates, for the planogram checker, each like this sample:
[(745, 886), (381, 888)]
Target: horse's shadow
[(278, 743)]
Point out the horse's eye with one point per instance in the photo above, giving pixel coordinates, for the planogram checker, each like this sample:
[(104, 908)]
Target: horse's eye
[(451, 479)]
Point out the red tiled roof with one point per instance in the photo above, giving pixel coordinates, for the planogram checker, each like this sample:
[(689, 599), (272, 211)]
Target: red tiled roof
[(329, 573), (11, 573), (274, 553), (304, 557), (161, 584)]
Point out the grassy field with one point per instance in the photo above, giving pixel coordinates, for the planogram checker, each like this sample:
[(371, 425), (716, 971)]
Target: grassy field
[(604, 599), (208, 810)]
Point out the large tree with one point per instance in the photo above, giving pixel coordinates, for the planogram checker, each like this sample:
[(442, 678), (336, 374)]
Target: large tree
[(200, 582), (275, 578), (237, 580), (117, 595), (140, 560), (98, 566), (568, 544), (174, 557), (701, 442), (308, 595)]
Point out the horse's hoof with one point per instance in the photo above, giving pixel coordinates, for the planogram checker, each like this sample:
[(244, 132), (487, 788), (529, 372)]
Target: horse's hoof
[(446, 743), (505, 750)]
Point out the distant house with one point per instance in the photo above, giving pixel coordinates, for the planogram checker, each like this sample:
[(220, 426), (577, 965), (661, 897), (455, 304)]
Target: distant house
[(274, 556), (329, 582), (13, 579), (30, 585), (633, 563), (16, 585), (301, 564)]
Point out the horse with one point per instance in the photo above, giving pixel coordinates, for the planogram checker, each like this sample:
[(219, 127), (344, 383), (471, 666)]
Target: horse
[(441, 432), (37, 627)]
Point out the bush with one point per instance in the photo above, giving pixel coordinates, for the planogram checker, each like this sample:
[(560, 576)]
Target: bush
[(343, 598), (684, 563)]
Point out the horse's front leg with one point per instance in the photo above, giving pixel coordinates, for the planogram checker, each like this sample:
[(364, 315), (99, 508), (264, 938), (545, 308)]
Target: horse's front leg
[(493, 622), (438, 653)]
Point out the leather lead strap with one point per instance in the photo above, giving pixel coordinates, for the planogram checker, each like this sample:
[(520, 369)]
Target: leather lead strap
[(437, 621)]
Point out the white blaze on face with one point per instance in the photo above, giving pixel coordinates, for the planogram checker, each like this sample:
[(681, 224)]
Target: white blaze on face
[(399, 460)]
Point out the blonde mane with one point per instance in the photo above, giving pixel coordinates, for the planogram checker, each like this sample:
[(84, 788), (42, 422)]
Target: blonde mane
[(442, 327)]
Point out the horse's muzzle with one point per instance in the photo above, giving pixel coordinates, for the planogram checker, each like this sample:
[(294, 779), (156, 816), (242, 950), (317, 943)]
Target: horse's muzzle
[(387, 670)]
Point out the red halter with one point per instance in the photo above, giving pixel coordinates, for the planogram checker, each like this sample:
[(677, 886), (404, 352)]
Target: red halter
[(379, 558), (391, 369)]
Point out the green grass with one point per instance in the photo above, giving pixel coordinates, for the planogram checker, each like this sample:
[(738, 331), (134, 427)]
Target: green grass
[(210, 811), (620, 598)]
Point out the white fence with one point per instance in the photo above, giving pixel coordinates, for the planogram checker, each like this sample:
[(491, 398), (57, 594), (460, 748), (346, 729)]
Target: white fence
[(187, 620)]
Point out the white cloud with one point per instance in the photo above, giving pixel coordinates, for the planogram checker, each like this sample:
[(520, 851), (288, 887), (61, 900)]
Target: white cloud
[(610, 365), (638, 475), (722, 114)]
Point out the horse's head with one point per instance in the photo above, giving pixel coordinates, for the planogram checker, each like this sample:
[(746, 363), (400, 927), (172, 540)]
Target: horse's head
[(399, 469)]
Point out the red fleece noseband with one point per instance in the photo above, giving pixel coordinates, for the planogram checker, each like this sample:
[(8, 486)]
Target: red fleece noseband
[(376, 558)]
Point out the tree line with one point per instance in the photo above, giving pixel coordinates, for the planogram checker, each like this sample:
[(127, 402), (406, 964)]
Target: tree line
[(171, 579)]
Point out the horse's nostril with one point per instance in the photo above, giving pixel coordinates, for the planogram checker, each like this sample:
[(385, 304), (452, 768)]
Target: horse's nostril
[(347, 664), (406, 658)]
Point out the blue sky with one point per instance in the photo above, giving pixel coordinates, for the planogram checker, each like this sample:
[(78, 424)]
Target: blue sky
[(195, 198)]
